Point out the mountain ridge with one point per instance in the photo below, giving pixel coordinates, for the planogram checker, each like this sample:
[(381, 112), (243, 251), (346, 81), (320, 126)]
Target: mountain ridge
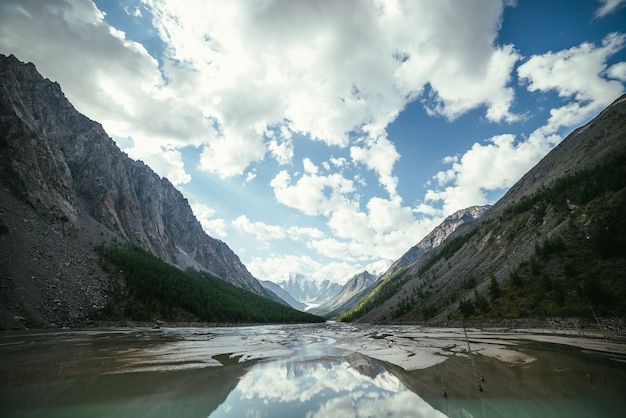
[(358, 286), (552, 245), (435, 237), (283, 294), (67, 170), (349, 294)]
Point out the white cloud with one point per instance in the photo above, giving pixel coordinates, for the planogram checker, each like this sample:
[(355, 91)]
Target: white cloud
[(261, 231), (453, 96), (386, 229), (493, 166), (250, 176), (205, 215), (608, 6), (577, 73), (386, 216), (309, 167), (301, 233), (312, 194), (379, 155), (282, 152), (333, 72), (617, 71), (277, 267), (337, 162), (231, 154), (266, 232)]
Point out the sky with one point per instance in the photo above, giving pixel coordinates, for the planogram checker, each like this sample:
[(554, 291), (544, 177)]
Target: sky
[(320, 137)]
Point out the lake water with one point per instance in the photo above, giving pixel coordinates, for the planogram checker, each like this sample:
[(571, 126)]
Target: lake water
[(322, 370)]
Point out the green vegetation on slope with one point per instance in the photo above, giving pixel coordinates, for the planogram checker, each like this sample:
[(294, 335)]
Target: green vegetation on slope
[(578, 266), (378, 295), (145, 288), (581, 271), (390, 286)]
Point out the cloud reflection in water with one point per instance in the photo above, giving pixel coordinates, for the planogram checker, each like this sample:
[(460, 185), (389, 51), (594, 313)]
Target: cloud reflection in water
[(344, 386)]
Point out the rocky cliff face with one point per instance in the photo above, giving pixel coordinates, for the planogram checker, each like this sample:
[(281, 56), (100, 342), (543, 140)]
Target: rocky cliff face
[(437, 236), (66, 168)]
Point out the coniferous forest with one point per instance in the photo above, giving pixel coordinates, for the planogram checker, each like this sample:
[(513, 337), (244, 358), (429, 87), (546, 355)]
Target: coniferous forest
[(145, 288)]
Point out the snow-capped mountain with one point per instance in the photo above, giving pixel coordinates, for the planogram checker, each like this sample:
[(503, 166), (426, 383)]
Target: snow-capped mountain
[(309, 291)]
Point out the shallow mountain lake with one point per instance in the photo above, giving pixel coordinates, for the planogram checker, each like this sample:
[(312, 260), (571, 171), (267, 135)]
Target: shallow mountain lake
[(322, 370)]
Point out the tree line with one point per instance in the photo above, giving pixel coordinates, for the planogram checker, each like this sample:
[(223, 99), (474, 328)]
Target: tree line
[(145, 288)]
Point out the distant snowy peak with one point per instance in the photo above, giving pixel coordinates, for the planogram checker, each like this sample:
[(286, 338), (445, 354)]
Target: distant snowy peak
[(309, 291), (283, 294)]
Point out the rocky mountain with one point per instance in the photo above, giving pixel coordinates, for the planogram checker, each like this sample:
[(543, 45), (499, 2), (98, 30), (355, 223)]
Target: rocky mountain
[(553, 245), (283, 294), (437, 236), (351, 292), (360, 284), (64, 171), (309, 291)]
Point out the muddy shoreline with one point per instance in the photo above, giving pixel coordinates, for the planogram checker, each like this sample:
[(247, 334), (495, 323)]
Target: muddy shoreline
[(134, 367), (610, 326)]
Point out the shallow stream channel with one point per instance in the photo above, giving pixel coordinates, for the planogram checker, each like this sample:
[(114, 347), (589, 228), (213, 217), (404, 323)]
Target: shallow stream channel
[(321, 370)]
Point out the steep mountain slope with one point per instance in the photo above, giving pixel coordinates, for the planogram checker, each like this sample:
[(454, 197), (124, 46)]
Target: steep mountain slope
[(74, 178), (283, 294), (357, 287), (309, 291), (347, 297), (437, 236), (554, 245), (66, 167)]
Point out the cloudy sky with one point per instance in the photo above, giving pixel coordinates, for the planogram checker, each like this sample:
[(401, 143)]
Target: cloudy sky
[(321, 136)]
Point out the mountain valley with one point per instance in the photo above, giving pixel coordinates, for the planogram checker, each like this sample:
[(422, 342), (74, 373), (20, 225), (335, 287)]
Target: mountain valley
[(65, 180), (74, 209)]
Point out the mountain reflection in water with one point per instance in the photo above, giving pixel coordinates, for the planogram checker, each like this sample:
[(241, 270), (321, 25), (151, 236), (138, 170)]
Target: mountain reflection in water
[(322, 370), (342, 386)]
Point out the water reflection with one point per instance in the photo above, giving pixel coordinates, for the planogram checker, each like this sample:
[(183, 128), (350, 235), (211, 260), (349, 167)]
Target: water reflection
[(336, 386), (325, 370)]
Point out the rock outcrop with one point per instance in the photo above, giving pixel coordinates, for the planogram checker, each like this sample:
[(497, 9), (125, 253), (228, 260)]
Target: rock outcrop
[(70, 173)]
